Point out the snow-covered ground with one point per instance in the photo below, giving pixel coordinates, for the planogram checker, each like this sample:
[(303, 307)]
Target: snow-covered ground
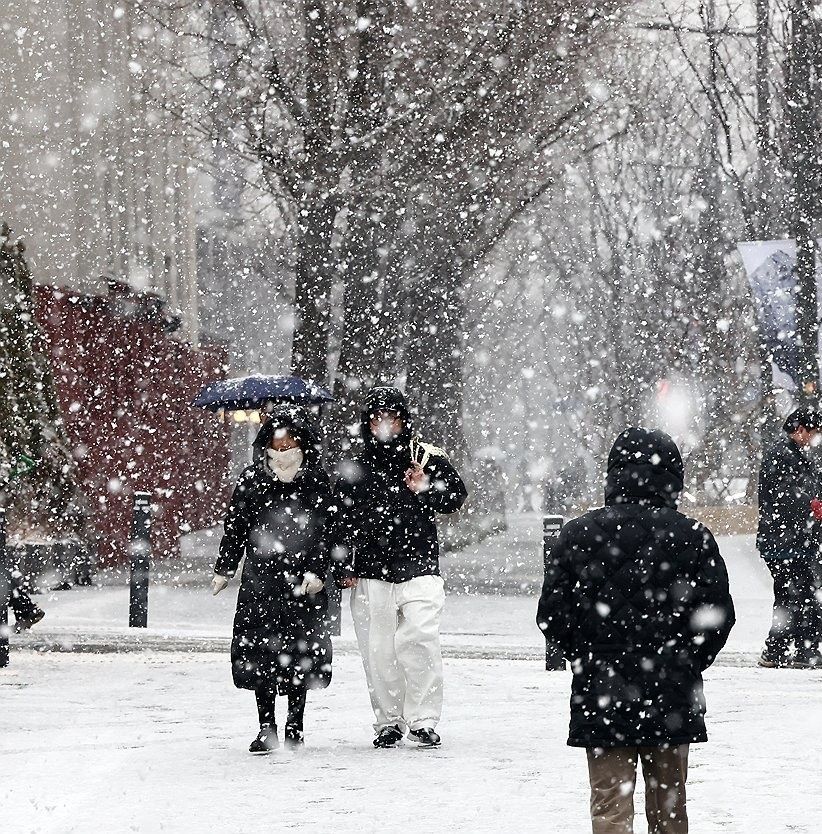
[(155, 742), (489, 619), (156, 739)]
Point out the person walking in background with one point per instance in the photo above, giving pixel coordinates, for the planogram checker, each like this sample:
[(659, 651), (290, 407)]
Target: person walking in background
[(637, 597), (26, 611), (277, 519), (388, 499), (789, 538)]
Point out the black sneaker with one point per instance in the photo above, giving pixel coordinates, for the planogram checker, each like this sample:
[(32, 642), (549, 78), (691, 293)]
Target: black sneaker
[(294, 738), (266, 740), (773, 661), (425, 737), (388, 737), (807, 660)]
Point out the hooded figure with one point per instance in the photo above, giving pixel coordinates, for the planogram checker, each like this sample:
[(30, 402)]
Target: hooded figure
[(637, 597), (789, 539), (277, 519), (390, 530), (388, 499)]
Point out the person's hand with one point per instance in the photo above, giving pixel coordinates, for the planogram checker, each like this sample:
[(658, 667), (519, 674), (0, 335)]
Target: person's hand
[(218, 583), (816, 508), (312, 584), (416, 480), (349, 582)]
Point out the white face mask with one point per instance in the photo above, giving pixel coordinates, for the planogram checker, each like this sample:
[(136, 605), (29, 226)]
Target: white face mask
[(384, 431), (285, 465)]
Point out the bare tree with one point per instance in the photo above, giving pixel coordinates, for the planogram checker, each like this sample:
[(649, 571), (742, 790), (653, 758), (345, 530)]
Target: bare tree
[(351, 112)]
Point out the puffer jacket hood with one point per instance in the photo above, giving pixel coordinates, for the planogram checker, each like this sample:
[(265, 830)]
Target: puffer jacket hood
[(636, 596), (296, 421), (388, 530), (384, 398), (644, 467), (394, 454)]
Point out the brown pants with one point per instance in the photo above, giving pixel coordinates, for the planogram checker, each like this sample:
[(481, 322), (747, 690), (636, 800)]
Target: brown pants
[(612, 772)]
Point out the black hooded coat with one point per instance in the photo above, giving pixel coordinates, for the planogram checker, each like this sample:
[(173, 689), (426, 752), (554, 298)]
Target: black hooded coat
[(280, 636), (389, 531), (636, 595), (788, 481)]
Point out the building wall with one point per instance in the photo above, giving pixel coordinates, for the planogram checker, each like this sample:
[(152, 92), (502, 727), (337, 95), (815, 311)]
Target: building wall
[(92, 173), (125, 391)]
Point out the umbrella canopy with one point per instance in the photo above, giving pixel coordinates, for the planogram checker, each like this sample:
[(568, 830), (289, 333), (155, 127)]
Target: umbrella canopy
[(247, 392)]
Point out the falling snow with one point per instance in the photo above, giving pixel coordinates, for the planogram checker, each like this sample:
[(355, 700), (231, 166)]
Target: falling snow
[(544, 221)]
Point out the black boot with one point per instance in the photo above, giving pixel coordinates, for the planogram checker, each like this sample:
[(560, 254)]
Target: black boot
[(770, 659), (294, 738), (266, 740), (807, 658), (388, 737), (24, 624)]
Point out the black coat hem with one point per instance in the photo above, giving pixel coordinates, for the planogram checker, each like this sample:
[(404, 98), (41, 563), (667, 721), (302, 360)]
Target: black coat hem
[(394, 579), (611, 743), (321, 683)]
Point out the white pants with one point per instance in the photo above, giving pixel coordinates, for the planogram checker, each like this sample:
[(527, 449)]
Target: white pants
[(398, 632)]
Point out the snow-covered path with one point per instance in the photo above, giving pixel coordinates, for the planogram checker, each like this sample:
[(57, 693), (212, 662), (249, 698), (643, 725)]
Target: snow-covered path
[(155, 742), (490, 620)]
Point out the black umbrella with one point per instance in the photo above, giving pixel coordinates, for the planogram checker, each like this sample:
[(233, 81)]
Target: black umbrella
[(251, 392)]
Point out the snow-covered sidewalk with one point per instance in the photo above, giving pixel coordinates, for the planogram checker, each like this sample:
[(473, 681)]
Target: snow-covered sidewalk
[(121, 736), (477, 624), (154, 742)]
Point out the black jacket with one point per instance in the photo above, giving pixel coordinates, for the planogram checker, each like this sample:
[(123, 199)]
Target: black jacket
[(788, 480), (637, 597), (280, 637), (388, 531)]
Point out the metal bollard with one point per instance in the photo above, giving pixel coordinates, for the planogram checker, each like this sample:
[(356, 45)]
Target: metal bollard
[(140, 561), (551, 527), (5, 593)]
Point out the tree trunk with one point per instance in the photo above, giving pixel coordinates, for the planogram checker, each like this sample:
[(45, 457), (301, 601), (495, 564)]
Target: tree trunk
[(800, 114), (367, 232), (318, 206), (312, 288), (435, 356), (763, 119), (356, 367)]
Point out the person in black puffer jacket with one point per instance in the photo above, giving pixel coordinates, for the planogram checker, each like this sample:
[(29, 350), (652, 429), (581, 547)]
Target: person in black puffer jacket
[(636, 595), (278, 519), (388, 498), (789, 539)]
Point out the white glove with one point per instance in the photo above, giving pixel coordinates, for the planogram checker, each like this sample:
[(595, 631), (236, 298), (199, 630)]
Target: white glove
[(312, 584), (218, 583)]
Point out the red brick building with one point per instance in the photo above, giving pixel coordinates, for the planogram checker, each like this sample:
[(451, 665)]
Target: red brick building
[(125, 387)]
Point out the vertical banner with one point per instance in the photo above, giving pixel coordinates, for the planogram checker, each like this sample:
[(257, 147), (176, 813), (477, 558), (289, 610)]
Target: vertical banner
[(771, 269)]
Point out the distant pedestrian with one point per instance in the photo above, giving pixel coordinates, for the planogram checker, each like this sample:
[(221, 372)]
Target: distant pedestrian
[(277, 519), (561, 492), (26, 611), (637, 597), (389, 498), (789, 539)]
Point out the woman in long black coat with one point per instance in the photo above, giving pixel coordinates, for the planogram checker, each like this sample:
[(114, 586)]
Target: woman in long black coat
[(277, 519)]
